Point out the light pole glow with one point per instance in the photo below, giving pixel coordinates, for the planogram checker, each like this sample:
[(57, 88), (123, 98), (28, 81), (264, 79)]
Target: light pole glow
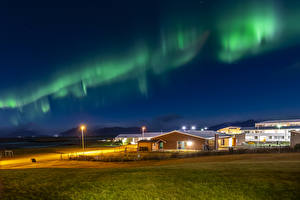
[(82, 127), (143, 131)]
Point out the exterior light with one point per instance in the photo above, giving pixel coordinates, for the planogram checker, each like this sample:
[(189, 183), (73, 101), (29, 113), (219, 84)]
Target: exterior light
[(202, 129), (143, 131), (82, 127), (205, 128), (183, 128), (189, 143), (193, 127), (279, 126)]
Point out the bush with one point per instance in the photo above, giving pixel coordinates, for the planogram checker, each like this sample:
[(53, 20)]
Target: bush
[(297, 147)]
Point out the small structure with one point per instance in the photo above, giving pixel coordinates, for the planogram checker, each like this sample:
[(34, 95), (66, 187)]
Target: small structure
[(8, 153), (150, 145), (295, 138)]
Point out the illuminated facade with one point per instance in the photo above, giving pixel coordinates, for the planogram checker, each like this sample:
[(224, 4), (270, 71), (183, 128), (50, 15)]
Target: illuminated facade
[(231, 130), (276, 131)]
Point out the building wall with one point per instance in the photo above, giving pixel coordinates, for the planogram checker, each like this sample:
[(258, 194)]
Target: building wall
[(223, 143), (295, 138), (173, 138), (240, 139), (144, 145)]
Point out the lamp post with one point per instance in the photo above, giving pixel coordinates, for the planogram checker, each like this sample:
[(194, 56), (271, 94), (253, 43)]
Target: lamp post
[(143, 131), (82, 127)]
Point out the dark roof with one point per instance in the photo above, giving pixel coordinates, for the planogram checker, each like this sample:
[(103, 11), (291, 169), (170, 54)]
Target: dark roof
[(149, 134), (206, 134), (150, 141), (203, 134)]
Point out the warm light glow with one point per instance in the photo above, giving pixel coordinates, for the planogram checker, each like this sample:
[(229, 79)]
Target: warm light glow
[(143, 128), (82, 127), (189, 143)]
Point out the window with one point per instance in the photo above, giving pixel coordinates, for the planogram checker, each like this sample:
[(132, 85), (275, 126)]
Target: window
[(143, 149), (270, 137), (180, 145), (256, 137), (282, 137), (161, 145)]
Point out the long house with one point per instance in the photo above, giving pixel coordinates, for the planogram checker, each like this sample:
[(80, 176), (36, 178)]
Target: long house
[(180, 140)]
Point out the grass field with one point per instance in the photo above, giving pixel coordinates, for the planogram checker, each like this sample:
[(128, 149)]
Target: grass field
[(261, 176)]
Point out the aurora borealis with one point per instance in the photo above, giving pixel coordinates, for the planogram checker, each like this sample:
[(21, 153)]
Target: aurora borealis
[(74, 56)]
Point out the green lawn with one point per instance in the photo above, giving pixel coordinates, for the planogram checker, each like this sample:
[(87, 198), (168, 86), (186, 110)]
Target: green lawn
[(218, 177)]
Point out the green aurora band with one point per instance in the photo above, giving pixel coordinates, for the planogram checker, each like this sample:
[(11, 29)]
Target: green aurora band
[(106, 71), (247, 33)]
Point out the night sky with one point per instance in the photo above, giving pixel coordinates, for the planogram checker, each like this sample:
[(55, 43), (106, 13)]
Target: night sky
[(165, 63)]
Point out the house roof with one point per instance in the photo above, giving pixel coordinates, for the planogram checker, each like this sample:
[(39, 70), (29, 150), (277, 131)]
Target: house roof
[(146, 134), (151, 141), (199, 134)]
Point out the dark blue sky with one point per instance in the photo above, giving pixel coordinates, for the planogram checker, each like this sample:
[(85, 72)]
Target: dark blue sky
[(160, 63)]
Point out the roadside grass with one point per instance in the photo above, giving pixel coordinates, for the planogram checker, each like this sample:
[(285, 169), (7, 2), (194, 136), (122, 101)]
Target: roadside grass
[(218, 177), (61, 149)]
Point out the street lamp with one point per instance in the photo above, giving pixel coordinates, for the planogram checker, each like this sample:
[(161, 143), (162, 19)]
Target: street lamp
[(193, 127), (183, 128), (82, 127), (278, 126), (143, 131)]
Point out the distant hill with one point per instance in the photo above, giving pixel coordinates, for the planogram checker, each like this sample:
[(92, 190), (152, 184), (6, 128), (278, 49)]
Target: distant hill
[(247, 123), (106, 132), (28, 130)]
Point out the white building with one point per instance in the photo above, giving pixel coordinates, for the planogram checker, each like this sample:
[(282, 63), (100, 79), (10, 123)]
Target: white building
[(271, 131), (134, 138)]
